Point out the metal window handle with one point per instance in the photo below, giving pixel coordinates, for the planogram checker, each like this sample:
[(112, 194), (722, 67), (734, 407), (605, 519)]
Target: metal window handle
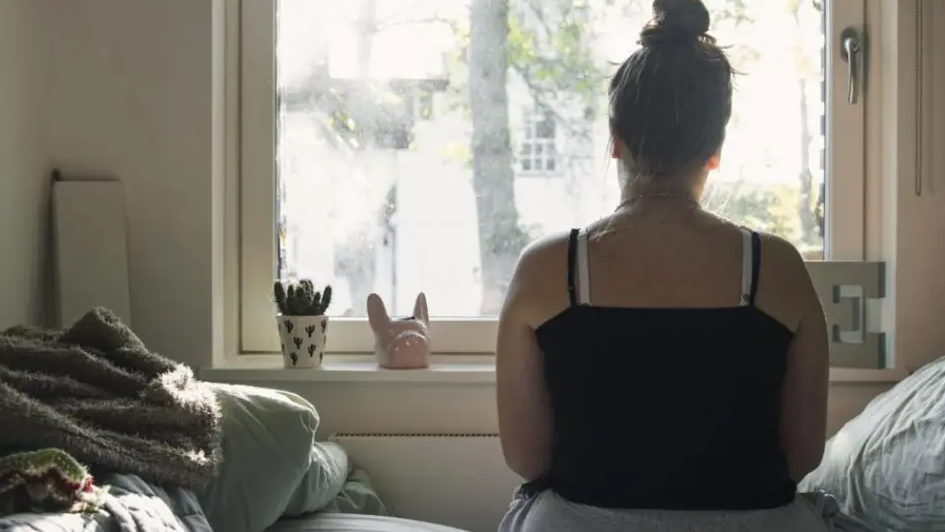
[(850, 47)]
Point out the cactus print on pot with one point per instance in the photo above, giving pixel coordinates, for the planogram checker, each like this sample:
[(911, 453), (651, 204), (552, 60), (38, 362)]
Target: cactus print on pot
[(302, 322), (303, 340)]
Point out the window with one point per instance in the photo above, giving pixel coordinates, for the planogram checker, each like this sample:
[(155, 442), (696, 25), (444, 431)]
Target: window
[(538, 154), (389, 133)]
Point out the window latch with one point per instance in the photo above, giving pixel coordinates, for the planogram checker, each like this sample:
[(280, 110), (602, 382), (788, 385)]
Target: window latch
[(850, 47)]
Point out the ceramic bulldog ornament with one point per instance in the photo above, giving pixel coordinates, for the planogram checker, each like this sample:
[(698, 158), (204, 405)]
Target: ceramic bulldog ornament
[(402, 343)]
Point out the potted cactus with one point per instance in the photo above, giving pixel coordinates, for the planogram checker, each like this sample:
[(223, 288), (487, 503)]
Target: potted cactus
[(302, 322)]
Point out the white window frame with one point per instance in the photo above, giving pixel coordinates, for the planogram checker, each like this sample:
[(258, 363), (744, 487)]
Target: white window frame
[(846, 154), (533, 117), (845, 194)]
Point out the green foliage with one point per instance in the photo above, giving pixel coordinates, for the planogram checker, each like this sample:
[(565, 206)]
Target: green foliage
[(550, 48), (301, 298), (771, 208), (768, 208)]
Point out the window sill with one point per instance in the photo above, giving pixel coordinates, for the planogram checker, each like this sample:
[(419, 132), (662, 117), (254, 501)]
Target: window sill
[(444, 369), (866, 376)]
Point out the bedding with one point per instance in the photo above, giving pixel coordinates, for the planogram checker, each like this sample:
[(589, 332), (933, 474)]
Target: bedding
[(357, 497), (886, 466), (130, 505), (328, 522), (273, 466), (94, 399), (133, 505), (96, 392)]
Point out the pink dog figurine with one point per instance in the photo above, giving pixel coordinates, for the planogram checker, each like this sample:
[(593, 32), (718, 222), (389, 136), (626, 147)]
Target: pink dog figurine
[(403, 343)]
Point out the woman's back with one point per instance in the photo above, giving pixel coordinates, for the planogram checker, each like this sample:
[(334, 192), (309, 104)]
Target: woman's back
[(682, 358), (663, 369)]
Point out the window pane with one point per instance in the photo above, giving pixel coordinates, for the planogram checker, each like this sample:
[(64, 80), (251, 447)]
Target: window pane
[(377, 197), (546, 128)]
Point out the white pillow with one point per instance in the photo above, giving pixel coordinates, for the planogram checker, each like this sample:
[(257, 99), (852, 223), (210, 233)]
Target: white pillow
[(886, 466)]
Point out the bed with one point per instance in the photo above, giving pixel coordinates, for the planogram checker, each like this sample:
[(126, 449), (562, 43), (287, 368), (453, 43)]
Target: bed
[(130, 505), (131, 441), (135, 506)]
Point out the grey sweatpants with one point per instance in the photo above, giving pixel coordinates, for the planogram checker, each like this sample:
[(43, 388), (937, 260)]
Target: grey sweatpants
[(545, 511)]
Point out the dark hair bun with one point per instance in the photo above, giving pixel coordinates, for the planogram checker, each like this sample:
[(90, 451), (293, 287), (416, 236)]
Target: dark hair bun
[(675, 19)]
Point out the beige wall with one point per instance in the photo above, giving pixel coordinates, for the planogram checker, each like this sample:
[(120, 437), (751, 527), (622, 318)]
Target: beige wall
[(912, 213), (23, 181), (119, 88)]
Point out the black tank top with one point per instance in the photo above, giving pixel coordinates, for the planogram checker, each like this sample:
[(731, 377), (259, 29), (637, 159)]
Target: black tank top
[(663, 408)]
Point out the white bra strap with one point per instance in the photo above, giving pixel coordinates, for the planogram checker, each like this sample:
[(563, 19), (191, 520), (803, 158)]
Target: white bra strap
[(746, 266), (583, 269)]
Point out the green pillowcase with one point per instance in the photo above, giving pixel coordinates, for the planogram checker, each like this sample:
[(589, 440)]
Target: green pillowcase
[(358, 497), (273, 467)]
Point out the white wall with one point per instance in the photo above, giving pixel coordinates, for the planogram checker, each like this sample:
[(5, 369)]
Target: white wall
[(126, 90), (24, 183)]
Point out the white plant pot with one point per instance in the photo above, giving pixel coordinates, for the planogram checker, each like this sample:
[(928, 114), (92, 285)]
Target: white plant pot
[(303, 340)]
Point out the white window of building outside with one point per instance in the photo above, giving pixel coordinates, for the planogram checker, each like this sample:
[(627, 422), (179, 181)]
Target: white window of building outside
[(394, 131), (538, 155)]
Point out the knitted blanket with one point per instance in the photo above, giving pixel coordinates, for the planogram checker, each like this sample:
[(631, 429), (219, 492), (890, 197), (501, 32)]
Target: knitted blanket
[(96, 392), (48, 480)]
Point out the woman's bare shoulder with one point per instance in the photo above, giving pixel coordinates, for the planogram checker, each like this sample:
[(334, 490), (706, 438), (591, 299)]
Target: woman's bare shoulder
[(540, 261), (540, 278), (784, 285), (781, 253), (546, 247)]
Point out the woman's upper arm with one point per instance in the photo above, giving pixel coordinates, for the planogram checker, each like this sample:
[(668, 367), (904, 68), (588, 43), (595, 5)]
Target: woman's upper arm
[(807, 375), (524, 407)]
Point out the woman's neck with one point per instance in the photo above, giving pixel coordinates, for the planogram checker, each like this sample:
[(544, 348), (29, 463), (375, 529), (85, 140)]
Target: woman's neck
[(669, 191)]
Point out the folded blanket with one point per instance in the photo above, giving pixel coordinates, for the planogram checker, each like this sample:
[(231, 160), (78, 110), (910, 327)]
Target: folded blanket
[(96, 392)]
